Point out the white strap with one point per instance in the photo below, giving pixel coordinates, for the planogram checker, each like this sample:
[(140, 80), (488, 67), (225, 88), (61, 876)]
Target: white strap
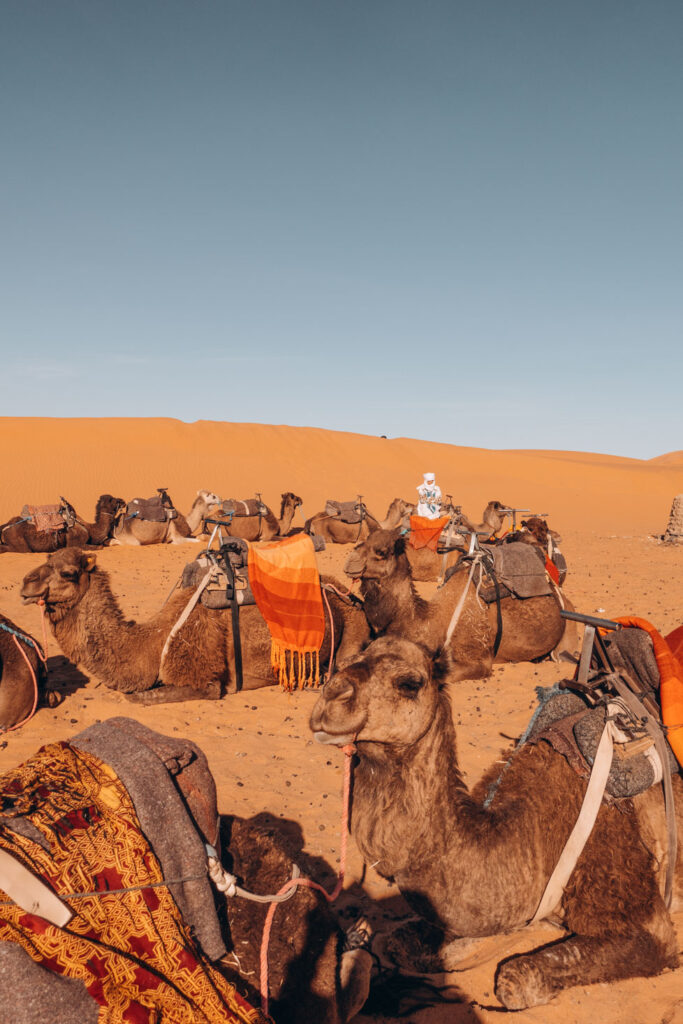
[(30, 893), (213, 571), (460, 605), (583, 827)]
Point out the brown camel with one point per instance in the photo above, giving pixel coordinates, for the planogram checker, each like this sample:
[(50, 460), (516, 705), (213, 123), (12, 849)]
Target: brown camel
[(475, 870), (199, 664), (20, 534), (22, 674), (180, 530), (265, 526), (333, 530), (531, 628), (492, 520)]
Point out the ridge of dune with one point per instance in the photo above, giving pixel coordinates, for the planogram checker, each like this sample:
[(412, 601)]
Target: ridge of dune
[(81, 458)]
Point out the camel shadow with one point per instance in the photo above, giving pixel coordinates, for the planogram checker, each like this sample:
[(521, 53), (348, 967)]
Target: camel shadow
[(64, 677), (391, 994)]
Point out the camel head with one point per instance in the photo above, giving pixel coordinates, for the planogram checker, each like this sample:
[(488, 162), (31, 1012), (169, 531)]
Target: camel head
[(290, 500), (387, 696), (209, 498), (61, 582), (109, 504), (381, 554), (539, 529)]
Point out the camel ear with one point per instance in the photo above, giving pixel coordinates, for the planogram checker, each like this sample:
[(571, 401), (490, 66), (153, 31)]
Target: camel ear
[(399, 539), (89, 562), (441, 667)]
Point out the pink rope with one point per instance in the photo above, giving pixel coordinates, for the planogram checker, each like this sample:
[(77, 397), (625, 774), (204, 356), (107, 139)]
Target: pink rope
[(329, 612), (35, 688), (349, 751), (41, 605)]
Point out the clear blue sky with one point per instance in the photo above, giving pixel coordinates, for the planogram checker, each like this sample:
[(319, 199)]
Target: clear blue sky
[(448, 220)]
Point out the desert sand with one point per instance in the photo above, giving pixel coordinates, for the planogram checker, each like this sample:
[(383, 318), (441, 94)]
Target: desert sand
[(609, 511)]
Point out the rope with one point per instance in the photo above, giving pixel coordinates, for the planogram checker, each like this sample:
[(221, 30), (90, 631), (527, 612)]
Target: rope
[(184, 615), (348, 750), (457, 612), (329, 612), (41, 605)]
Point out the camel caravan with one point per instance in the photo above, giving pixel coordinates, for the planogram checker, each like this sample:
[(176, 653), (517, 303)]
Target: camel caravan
[(575, 824)]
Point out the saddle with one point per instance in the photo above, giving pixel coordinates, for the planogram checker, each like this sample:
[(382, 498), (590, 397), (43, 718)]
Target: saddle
[(350, 512), (237, 509), (50, 518), (230, 582), (572, 719), (159, 509), (508, 570)]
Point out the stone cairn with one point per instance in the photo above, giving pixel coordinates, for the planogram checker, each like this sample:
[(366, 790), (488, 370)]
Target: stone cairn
[(674, 531)]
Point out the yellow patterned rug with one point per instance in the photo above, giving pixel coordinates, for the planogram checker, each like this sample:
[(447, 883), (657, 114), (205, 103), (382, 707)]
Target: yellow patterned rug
[(131, 950)]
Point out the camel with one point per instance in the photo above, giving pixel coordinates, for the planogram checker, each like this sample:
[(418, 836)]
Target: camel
[(266, 526), (92, 632), (334, 531), (475, 870), (173, 531), (493, 518), (22, 675), (20, 534), (531, 628)]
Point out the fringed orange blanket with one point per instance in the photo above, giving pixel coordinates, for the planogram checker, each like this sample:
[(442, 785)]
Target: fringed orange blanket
[(286, 584), (424, 533), (670, 678), (128, 945)]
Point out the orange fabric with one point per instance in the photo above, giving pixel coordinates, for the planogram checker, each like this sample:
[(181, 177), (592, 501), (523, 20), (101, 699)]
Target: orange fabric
[(675, 642), (552, 571), (286, 584), (670, 679), (424, 533)]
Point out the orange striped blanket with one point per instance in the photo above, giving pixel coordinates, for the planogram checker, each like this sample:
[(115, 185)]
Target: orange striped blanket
[(286, 585)]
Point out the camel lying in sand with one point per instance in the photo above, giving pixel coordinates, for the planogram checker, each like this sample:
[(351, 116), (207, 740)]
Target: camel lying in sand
[(20, 534), (476, 871), (332, 529), (264, 526), (92, 632), (22, 675), (180, 530), (531, 628)]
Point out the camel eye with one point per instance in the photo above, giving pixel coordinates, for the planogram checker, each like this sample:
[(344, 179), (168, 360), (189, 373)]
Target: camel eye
[(382, 553), (409, 686), (69, 574)]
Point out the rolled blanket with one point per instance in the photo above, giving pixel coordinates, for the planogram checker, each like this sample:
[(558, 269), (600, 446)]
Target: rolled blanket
[(425, 533), (286, 584)]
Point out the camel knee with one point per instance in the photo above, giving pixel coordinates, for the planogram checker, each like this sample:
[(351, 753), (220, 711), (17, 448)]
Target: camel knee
[(355, 970)]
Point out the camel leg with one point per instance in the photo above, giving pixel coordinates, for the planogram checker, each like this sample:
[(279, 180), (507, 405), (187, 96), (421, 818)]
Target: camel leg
[(170, 694), (355, 969), (533, 979)]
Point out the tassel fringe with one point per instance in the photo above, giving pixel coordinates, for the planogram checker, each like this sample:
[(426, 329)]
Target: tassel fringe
[(295, 669)]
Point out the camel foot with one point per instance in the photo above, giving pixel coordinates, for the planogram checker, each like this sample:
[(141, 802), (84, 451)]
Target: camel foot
[(521, 984), (414, 947), (53, 698)]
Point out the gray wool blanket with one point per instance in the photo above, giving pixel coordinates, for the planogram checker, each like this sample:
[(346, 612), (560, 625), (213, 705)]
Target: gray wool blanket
[(174, 794), (519, 568)]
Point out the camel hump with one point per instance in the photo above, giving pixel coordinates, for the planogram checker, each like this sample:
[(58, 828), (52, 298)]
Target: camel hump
[(250, 507)]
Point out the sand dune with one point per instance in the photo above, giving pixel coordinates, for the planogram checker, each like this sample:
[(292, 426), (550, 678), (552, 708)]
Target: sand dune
[(81, 458)]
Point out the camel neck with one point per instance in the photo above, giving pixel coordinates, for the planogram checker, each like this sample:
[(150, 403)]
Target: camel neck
[(391, 604)]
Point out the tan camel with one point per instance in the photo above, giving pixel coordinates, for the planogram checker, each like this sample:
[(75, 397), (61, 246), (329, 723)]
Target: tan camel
[(92, 632), (21, 672), (266, 526), (173, 531), (473, 870), (20, 534), (492, 520), (531, 628), (334, 531)]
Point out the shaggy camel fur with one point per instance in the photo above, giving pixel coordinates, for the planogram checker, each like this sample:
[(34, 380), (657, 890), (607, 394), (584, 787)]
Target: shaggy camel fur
[(531, 628), (266, 527), (475, 871), (92, 632), (18, 680), (18, 535), (174, 531), (333, 530)]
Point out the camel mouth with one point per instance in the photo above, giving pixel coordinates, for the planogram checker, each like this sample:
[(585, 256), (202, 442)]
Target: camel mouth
[(332, 739)]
